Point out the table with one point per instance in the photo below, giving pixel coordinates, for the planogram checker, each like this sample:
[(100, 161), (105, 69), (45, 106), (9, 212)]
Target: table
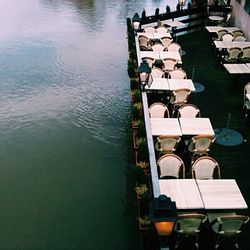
[(165, 126), (173, 23), (154, 35), (248, 65), (184, 192), (228, 45), (196, 126), (152, 54), (215, 29), (181, 83), (221, 194), (171, 54), (237, 68), (159, 84), (216, 18)]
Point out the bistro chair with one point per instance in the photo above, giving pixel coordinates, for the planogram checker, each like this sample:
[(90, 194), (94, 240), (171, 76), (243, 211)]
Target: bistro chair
[(158, 110), (246, 105), (177, 74), (171, 166), (174, 47), (245, 56), (169, 64), (161, 29), (157, 47), (236, 33), (167, 144), (220, 33), (157, 73), (200, 145), (149, 60), (166, 41), (239, 39), (227, 38), (144, 42), (205, 168), (188, 226), (188, 110), (149, 30), (233, 55), (228, 227)]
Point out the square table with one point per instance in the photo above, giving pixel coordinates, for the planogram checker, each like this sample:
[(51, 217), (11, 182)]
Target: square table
[(196, 126), (183, 191), (165, 126), (181, 83), (158, 84), (221, 194), (237, 68), (171, 54), (173, 23), (154, 35), (228, 45), (152, 54), (215, 29)]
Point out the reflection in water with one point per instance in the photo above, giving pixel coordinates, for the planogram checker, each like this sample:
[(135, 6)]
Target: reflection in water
[(64, 107)]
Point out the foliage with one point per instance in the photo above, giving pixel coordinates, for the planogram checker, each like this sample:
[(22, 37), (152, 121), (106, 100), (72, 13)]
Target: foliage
[(141, 132), (145, 221), (142, 149), (136, 111), (141, 190), (136, 95)]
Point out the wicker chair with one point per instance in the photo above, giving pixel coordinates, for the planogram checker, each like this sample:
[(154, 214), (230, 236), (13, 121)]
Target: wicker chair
[(174, 47), (188, 110), (205, 168), (149, 60), (220, 33), (157, 73), (169, 64), (161, 29), (246, 105), (245, 56), (188, 226), (239, 39), (149, 30), (171, 166), (144, 42), (236, 33), (227, 38), (166, 41), (228, 227), (158, 110), (233, 55), (167, 144), (177, 74), (158, 47)]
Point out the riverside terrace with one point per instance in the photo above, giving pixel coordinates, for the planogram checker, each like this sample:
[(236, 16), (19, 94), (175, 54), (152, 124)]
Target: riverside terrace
[(221, 96)]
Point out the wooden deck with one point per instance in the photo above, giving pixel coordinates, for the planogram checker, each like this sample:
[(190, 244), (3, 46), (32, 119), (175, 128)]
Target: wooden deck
[(221, 97)]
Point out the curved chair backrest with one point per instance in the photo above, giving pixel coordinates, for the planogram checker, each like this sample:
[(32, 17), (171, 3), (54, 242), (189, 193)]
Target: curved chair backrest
[(228, 226), (220, 33), (236, 33), (180, 96), (171, 165), (158, 110), (246, 91), (166, 41), (167, 144), (239, 39), (204, 168), (233, 53), (161, 29), (169, 64), (143, 42), (149, 30), (157, 73), (188, 110), (177, 74), (149, 60), (157, 47), (246, 52), (174, 47), (227, 38)]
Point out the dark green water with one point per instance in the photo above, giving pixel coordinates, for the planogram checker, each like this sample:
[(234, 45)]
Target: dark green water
[(64, 119)]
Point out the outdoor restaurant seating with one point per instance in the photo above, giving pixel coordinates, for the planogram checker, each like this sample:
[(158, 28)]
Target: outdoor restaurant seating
[(169, 64), (233, 55), (167, 144), (228, 227), (188, 110), (157, 47), (166, 41), (205, 168), (245, 56), (144, 42), (239, 39), (236, 33), (149, 30), (227, 38), (157, 72), (171, 166), (158, 110), (246, 105), (220, 33), (177, 74), (161, 29), (200, 145), (174, 47), (188, 226)]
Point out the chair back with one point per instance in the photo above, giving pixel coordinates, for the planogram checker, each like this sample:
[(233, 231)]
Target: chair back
[(174, 47), (157, 73), (171, 165), (158, 47), (177, 74), (158, 110), (188, 110), (143, 42), (227, 38), (246, 53), (149, 60), (166, 41), (204, 168), (236, 33), (169, 64), (167, 144), (161, 29), (149, 30), (180, 96), (233, 54), (220, 33), (239, 39)]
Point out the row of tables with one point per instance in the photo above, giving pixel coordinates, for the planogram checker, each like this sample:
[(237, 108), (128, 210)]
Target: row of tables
[(192, 194), (162, 55), (237, 68)]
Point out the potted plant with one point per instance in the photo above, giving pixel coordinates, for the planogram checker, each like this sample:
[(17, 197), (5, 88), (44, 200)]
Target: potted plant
[(144, 223), (142, 191), (135, 95), (142, 150), (136, 114)]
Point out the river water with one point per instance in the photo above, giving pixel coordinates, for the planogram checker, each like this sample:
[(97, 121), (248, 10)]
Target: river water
[(64, 119)]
